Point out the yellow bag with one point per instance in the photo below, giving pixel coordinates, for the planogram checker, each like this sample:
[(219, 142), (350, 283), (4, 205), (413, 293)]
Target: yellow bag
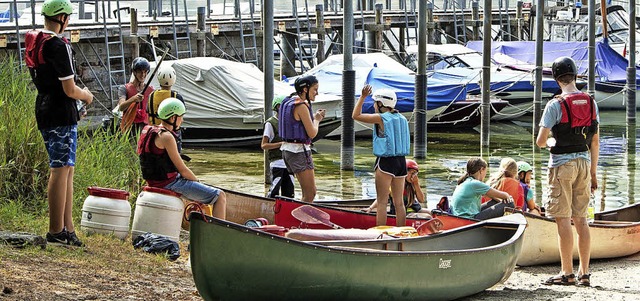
[(406, 231)]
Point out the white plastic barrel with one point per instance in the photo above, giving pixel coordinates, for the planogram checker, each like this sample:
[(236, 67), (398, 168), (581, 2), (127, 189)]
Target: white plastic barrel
[(158, 211), (106, 211)]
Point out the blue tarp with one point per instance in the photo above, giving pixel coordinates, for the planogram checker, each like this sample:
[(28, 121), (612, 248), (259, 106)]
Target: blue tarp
[(381, 71), (508, 82), (610, 65), (439, 93)]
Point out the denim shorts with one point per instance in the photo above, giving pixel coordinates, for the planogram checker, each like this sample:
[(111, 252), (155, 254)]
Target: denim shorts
[(194, 191), (61, 143)]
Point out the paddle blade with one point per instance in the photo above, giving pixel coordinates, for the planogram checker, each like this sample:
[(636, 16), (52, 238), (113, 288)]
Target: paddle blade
[(430, 227), (127, 117), (311, 215)]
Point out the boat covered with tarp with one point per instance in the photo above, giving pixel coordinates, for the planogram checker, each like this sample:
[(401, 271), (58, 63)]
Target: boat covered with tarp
[(610, 71), (225, 101), (234, 262)]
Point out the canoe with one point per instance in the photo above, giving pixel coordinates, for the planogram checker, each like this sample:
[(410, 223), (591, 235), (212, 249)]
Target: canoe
[(354, 219), (234, 262), (243, 206), (614, 233)]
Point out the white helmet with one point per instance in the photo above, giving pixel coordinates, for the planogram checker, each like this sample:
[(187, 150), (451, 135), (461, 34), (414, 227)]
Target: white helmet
[(386, 96), (167, 76)]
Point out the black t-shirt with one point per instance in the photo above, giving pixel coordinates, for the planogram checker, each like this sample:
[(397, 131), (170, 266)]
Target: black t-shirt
[(53, 106)]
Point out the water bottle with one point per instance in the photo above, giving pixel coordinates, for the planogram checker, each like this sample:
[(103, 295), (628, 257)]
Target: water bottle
[(591, 210)]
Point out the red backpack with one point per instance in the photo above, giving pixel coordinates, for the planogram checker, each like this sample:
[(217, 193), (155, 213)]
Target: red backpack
[(33, 42)]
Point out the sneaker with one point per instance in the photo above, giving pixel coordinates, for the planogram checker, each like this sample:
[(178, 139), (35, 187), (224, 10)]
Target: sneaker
[(58, 238), (73, 240)]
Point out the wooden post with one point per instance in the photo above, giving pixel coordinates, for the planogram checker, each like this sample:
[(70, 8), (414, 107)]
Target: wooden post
[(321, 32), (430, 24), (476, 20), (519, 19), (135, 47), (200, 46), (377, 35), (288, 55)]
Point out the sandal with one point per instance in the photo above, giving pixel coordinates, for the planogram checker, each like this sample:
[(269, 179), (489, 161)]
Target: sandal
[(561, 280), (583, 280)]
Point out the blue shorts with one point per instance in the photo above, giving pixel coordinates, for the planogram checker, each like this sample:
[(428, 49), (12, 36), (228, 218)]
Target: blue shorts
[(61, 143), (194, 191)]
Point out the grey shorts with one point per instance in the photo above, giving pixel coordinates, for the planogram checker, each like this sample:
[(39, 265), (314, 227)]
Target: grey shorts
[(298, 162)]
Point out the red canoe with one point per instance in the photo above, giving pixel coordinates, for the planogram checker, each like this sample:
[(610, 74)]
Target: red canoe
[(354, 219)]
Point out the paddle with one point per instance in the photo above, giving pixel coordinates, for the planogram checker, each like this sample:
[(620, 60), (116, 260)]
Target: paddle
[(130, 113), (311, 215), (430, 227)]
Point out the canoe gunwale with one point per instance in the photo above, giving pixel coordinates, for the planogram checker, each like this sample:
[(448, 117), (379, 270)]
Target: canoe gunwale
[(323, 245)]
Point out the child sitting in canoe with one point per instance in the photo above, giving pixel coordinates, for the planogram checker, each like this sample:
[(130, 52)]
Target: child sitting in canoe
[(507, 180), (524, 175), (466, 199)]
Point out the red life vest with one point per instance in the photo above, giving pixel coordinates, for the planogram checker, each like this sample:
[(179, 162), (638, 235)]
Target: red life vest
[(33, 42), (577, 125), (155, 163)]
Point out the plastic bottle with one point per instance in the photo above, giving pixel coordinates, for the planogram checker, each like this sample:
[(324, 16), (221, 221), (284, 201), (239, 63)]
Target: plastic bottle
[(591, 210)]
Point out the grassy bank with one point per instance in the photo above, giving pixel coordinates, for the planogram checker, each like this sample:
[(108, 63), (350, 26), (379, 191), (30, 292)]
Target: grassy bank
[(103, 159)]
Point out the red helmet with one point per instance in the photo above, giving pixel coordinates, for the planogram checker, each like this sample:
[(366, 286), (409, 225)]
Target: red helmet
[(412, 165)]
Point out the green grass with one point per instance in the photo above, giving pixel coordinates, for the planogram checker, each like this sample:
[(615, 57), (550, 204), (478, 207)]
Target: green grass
[(103, 158)]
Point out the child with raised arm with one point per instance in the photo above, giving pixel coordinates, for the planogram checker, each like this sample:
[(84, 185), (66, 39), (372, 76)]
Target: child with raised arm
[(391, 143)]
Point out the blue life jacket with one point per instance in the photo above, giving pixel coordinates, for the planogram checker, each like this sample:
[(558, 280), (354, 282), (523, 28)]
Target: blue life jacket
[(396, 139), (290, 129)]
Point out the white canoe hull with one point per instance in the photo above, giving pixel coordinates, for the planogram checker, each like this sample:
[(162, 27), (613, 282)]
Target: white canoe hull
[(608, 240)]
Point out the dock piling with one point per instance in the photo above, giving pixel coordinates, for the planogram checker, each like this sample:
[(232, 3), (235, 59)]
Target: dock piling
[(321, 33), (135, 46), (475, 13), (200, 22)]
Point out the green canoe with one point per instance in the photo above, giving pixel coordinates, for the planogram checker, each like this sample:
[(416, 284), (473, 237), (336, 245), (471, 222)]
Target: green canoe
[(234, 262)]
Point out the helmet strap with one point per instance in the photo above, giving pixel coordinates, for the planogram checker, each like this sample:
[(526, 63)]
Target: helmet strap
[(61, 23), (174, 123)]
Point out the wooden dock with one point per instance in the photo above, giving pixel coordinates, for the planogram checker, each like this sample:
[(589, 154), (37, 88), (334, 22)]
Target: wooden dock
[(227, 36)]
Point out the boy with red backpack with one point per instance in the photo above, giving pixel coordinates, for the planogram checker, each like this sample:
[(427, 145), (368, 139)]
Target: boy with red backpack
[(49, 59)]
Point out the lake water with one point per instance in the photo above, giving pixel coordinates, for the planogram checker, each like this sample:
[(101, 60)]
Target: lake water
[(447, 153)]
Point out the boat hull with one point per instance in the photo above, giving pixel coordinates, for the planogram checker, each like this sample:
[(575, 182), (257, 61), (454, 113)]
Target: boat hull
[(233, 262), (354, 219), (609, 238)]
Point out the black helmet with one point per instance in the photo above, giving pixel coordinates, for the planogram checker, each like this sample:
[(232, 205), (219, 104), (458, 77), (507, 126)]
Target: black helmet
[(140, 63), (564, 66), (305, 81)]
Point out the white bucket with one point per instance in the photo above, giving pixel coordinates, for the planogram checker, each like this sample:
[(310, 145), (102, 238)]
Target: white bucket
[(106, 211), (158, 211)]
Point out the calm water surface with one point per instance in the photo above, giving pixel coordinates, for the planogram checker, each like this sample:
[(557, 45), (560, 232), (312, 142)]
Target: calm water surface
[(447, 153)]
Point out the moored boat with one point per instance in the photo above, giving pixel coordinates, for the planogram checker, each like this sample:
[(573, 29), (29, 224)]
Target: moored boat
[(234, 262), (225, 102), (354, 219), (614, 233)]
